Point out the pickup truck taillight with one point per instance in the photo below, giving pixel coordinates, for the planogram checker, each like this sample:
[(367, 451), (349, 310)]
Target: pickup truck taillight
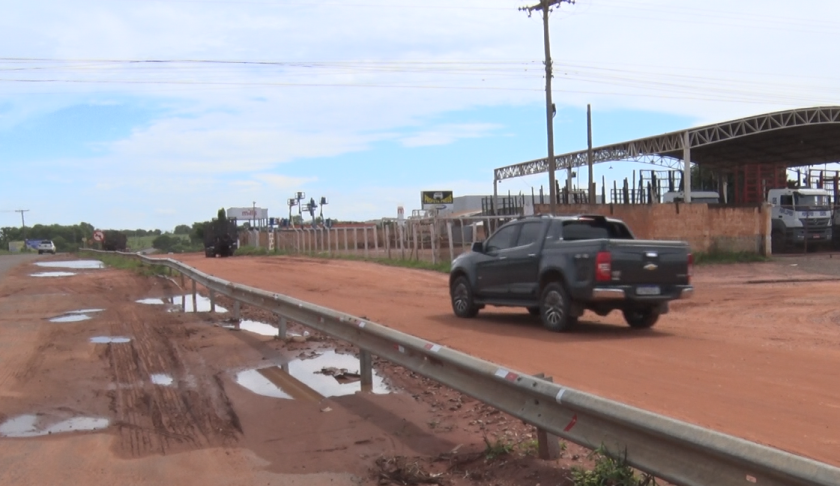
[(603, 266), (690, 266)]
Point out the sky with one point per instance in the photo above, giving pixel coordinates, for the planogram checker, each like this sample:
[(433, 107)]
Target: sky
[(148, 114)]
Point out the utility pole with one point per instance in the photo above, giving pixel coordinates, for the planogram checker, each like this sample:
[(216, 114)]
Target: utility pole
[(22, 222), (545, 6), (591, 188)]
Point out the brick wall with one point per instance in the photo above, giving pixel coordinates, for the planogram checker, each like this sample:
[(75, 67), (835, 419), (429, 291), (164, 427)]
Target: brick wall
[(705, 228)]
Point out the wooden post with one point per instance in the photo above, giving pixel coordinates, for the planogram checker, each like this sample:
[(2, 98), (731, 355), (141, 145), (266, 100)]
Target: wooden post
[(375, 241), (183, 295), (434, 244), (388, 240), (355, 239), (402, 240), (451, 243), (329, 242), (416, 250), (366, 241), (463, 236)]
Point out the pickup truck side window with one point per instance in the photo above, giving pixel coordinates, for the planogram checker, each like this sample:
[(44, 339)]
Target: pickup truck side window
[(502, 239), (529, 233), (592, 230)]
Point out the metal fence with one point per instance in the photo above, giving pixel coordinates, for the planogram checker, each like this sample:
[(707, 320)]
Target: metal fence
[(678, 452)]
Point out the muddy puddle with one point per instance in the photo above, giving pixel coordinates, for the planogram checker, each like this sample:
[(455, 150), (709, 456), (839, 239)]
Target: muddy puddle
[(33, 426), (52, 274), (76, 315), (110, 340), (173, 304), (73, 264), (330, 374)]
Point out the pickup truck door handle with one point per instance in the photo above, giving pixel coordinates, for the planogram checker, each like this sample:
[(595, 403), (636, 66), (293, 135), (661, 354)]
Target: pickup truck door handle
[(531, 255), (503, 258)]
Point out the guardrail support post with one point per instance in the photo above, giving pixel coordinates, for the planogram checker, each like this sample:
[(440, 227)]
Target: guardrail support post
[(366, 370), (212, 301), (195, 306), (281, 329), (236, 314), (548, 445)]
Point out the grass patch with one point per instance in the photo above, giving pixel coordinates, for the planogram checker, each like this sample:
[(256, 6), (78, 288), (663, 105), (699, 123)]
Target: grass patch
[(499, 448), (137, 243), (609, 472), (717, 257), (132, 264)]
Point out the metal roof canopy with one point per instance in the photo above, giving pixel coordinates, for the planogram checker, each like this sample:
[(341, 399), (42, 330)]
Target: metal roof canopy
[(799, 137)]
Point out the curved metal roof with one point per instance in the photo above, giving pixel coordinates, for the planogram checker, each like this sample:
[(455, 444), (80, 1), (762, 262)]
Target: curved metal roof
[(800, 137)]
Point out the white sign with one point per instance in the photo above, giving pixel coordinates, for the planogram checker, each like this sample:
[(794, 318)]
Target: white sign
[(401, 215), (247, 213), (528, 209)]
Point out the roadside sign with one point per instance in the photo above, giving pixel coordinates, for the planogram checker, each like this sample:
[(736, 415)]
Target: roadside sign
[(98, 236)]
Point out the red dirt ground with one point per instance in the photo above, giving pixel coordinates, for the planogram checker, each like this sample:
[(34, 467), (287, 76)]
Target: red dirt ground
[(753, 360)]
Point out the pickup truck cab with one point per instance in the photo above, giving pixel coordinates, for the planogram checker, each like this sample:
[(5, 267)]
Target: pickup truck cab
[(46, 246), (559, 266)]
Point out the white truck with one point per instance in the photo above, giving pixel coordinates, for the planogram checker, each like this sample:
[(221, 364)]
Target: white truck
[(801, 216)]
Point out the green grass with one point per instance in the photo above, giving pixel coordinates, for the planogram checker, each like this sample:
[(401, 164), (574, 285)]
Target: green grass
[(137, 243), (609, 471), (499, 448), (132, 264), (724, 257)]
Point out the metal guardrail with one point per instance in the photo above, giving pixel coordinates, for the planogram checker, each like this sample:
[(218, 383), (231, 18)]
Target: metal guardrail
[(678, 452)]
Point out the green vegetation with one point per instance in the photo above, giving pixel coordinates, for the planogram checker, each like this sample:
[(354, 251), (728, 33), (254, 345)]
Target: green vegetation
[(496, 449), (66, 238), (719, 257), (129, 263), (609, 472)]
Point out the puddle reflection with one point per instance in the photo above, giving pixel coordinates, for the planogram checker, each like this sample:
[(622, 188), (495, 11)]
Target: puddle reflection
[(74, 264), (28, 426)]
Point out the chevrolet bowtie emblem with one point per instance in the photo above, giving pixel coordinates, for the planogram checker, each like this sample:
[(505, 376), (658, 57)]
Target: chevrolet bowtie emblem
[(651, 266)]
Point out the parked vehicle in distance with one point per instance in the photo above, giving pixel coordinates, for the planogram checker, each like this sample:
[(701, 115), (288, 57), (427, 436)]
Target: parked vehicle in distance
[(46, 246), (800, 216), (558, 267), (221, 237)]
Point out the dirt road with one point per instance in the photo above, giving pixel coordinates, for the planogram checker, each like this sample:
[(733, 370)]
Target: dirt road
[(137, 395), (756, 360)]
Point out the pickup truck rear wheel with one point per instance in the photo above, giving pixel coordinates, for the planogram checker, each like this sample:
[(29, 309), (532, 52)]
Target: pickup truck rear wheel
[(462, 298), (554, 308), (641, 318)]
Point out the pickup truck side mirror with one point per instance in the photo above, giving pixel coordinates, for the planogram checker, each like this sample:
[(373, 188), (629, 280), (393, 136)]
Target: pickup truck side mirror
[(478, 246)]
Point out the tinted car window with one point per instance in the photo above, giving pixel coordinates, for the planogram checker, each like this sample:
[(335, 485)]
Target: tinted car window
[(501, 239), (529, 233), (593, 229)]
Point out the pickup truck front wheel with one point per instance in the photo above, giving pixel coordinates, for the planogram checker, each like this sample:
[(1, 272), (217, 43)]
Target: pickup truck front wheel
[(642, 318), (462, 298), (554, 308)]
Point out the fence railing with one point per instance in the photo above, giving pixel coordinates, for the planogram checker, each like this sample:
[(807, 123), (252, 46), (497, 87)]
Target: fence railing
[(678, 452)]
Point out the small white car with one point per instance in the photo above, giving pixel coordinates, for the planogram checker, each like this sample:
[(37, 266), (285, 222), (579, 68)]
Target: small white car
[(46, 246)]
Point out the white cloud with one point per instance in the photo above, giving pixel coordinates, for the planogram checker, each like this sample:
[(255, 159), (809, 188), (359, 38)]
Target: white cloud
[(446, 134)]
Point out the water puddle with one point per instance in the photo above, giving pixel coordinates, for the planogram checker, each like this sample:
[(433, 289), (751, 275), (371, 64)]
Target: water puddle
[(76, 315), (29, 426), (260, 328), (161, 379), (110, 339), (151, 301), (202, 303), (52, 274), (331, 375), (74, 264)]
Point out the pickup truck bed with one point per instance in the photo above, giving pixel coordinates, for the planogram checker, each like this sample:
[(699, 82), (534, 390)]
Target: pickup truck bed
[(558, 267)]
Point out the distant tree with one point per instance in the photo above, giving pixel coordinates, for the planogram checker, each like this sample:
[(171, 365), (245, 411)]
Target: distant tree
[(197, 233), (221, 214), (165, 242), (182, 229)]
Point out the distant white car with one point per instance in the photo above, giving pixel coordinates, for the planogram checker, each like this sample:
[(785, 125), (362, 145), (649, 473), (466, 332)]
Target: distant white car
[(46, 246)]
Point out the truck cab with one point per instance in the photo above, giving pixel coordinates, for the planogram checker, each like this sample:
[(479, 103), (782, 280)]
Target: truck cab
[(801, 216)]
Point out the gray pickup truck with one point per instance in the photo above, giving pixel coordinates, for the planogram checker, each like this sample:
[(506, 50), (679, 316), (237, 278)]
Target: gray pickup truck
[(558, 267)]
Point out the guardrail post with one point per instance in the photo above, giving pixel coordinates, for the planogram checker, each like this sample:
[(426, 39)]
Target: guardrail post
[(195, 306), (236, 314), (281, 328), (366, 370), (212, 301), (548, 445)]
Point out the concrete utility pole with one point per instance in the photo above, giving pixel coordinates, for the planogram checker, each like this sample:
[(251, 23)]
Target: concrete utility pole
[(22, 222), (591, 188), (545, 6)]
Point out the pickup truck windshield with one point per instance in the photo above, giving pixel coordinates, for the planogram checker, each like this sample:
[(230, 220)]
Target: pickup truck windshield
[(593, 229)]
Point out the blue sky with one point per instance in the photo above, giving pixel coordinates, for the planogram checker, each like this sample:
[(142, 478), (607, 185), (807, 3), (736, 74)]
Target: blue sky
[(366, 103)]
